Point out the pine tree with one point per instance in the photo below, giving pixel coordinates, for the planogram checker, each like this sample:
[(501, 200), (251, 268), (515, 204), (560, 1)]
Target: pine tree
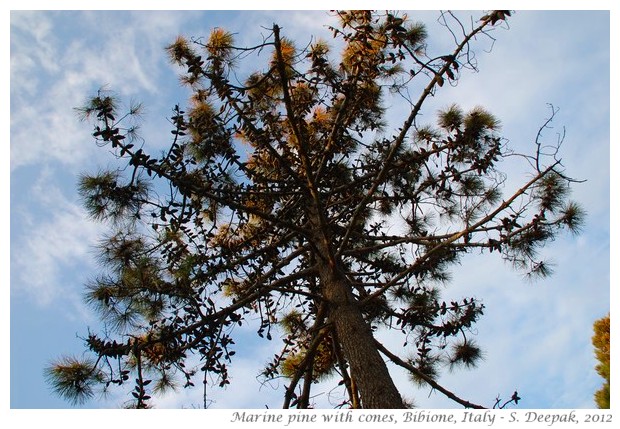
[(278, 198)]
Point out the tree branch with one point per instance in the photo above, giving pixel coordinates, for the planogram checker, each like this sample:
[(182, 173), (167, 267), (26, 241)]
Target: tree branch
[(398, 361)]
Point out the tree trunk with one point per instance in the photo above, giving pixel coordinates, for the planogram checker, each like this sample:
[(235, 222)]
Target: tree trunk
[(368, 370)]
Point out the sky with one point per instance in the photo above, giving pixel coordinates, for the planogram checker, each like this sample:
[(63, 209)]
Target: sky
[(536, 336)]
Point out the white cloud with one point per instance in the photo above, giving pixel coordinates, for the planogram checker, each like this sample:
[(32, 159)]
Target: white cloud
[(50, 79), (38, 31), (58, 245)]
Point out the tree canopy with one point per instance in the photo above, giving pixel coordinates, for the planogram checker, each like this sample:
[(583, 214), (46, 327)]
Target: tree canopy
[(286, 194), (601, 343)]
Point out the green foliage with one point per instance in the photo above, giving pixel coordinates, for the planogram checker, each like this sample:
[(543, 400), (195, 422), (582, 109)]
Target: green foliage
[(74, 379), (105, 198), (465, 353)]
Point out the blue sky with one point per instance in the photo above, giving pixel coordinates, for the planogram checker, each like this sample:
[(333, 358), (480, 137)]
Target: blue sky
[(536, 335)]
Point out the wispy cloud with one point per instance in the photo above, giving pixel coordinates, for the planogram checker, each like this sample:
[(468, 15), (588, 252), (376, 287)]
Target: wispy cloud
[(50, 77), (57, 245)]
